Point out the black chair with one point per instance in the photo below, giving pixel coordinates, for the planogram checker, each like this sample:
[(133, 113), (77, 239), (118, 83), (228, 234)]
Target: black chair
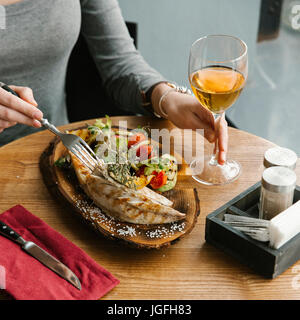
[(86, 96)]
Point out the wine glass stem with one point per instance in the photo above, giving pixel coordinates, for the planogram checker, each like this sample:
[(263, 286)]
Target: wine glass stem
[(214, 158)]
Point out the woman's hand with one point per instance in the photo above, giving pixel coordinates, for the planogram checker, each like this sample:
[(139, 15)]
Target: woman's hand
[(15, 110), (187, 113)]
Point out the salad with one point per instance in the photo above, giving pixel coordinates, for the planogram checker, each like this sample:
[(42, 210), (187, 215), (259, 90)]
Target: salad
[(130, 157)]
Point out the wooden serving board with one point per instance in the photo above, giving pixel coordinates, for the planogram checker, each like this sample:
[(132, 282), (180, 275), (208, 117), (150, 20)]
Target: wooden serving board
[(64, 186)]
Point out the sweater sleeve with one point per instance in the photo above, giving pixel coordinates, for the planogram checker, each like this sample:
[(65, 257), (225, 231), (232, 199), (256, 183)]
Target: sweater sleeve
[(122, 68)]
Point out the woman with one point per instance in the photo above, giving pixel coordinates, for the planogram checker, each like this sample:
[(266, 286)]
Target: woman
[(35, 48)]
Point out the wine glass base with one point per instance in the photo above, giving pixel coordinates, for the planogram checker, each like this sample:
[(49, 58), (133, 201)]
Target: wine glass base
[(211, 173)]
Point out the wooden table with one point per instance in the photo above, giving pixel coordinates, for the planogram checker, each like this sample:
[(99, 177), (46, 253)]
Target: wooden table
[(189, 269)]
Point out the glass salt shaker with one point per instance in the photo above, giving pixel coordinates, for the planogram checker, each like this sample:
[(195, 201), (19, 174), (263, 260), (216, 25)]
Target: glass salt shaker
[(277, 191), (279, 156)]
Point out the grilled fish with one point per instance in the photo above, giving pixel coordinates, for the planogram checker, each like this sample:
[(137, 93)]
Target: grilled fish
[(142, 206)]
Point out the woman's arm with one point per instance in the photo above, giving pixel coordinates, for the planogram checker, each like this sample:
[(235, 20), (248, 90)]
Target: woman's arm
[(125, 73), (123, 70)]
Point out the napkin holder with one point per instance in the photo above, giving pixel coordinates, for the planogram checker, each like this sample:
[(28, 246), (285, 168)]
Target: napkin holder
[(257, 255)]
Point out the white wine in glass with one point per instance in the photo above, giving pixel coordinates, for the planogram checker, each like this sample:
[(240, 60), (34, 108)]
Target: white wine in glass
[(218, 70)]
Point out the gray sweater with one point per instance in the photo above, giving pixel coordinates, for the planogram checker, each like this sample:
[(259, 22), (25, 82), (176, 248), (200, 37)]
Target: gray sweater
[(36, 44)]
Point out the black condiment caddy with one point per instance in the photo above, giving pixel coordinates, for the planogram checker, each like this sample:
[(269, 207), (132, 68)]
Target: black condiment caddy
[(257, 255)]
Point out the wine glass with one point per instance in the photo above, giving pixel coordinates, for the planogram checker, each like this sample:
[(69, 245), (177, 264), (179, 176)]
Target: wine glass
[(218, 70)]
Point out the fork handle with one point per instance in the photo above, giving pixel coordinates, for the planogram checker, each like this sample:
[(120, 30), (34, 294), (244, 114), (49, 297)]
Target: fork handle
[(8, 89), (50, 127), (44, 122)]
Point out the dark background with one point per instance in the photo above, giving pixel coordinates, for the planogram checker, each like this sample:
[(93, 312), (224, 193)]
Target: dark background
[(86, 96)]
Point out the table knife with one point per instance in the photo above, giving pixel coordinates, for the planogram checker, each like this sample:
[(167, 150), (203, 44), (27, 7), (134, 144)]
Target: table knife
[(41, 255)]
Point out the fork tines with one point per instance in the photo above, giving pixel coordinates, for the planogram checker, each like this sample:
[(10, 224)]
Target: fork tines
[(85, 154)]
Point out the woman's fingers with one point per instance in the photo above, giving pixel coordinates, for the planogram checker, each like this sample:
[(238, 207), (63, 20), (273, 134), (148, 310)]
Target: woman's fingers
[(195, 123), (222, 139), (204, 114), (6, 124), (22, 109), (11, 115), (210, 135), (11, 102), (25, 93), (187, 113)]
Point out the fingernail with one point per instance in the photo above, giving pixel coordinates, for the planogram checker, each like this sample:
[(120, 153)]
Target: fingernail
[(36, 124), (33, 102), (211, 137), (222, 157), (38, 115)]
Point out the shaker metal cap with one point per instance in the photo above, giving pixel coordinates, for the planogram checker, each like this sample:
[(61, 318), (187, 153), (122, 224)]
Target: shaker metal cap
[(279, 179), (279, 156)]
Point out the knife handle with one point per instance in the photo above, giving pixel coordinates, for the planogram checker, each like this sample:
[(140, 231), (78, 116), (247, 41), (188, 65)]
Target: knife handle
[(8, 232)]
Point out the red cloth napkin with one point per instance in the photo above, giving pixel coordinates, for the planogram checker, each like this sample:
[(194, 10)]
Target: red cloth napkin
[(28, 279)]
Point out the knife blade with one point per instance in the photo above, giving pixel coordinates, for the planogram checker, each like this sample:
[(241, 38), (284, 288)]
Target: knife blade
[(41, 255)]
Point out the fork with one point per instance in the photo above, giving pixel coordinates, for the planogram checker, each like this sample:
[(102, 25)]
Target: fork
[(75, 144), (72, 142)]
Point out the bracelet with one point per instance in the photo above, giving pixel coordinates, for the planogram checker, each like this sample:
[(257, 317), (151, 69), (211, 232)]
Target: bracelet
[(174, 88), (160, 103)]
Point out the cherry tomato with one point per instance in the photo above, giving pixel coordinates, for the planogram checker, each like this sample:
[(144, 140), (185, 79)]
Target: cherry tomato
[(159, 180), (138, 137), (144, 152)]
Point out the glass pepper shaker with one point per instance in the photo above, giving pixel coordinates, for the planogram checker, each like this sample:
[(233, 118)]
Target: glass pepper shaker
[(277, 191)]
